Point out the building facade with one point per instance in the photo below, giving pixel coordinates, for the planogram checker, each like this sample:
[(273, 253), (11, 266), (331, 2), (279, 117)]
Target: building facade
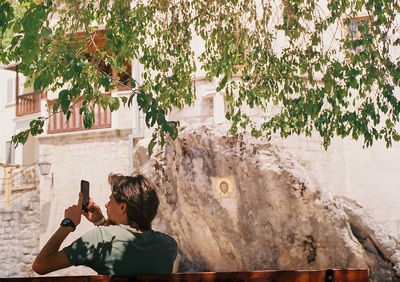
[(369, 176)]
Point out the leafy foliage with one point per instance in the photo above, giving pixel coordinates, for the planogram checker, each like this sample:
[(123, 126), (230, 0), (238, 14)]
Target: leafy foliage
[(291, 60)]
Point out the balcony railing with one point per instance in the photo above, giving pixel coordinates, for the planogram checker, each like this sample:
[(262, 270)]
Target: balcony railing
[(16, 180), (28, 104), (58, 122)]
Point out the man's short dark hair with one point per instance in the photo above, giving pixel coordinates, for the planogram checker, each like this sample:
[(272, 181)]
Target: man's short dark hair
[(140, 195)]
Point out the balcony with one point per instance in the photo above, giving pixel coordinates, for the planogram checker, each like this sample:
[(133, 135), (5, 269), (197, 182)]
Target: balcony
[(16, 180), (28, 104), (58, 122)]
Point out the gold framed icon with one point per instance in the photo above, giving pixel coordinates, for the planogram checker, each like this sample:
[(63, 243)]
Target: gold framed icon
[(224, 186)]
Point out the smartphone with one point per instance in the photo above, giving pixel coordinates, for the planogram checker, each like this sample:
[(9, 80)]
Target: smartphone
[(85, 194)]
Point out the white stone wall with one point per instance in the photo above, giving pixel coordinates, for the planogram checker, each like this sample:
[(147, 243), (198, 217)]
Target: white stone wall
[(368, 175), (89, 155), (202, 109)]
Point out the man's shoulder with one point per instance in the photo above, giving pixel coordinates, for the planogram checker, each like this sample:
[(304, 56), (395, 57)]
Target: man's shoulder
[(112, 231), (126, 233), (165, 237)]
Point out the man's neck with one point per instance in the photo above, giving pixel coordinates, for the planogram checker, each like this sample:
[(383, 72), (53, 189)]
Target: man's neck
[(123, 221)]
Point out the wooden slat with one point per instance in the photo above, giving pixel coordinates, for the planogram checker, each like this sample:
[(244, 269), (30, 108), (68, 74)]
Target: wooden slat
[(28, 104), (350, 275), (57, 122), (340, 275)]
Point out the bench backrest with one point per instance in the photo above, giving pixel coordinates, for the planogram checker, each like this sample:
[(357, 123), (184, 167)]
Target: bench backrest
[(329, 275)]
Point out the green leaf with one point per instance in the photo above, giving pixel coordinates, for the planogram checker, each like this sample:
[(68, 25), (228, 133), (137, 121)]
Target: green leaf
[(105, 100), (17, 27), (130, 100), (45, 32), (21, 137), (88, 119), (64, 100), (69, 115), (114, 104), (124, 100), (151, 145)]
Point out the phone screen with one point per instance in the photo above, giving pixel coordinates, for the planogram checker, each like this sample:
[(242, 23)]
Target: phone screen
[(85, 194)]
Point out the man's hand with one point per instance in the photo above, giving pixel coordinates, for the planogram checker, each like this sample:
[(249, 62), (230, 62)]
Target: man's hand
[(94, 213), (74, 212)]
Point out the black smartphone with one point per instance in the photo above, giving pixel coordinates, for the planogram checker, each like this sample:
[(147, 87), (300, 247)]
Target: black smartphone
[(85, 194)]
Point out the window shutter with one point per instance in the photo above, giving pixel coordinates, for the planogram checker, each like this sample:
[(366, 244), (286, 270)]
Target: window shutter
[(10, 91), (22, 89), (10, 153)]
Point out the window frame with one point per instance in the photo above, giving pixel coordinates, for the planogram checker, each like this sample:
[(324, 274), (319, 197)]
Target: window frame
[(357, 20), (12, 93)]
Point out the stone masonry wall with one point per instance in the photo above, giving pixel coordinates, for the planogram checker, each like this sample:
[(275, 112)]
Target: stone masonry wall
[(19, 235)]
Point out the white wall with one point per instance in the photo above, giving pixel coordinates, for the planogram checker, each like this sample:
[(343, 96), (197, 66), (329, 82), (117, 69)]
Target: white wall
[(89, 155), (370, 175)]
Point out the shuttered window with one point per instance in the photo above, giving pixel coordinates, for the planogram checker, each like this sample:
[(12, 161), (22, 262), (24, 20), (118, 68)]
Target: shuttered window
[(10, 91), (10, 153)]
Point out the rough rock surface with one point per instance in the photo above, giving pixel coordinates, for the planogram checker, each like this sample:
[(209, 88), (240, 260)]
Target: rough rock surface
[(236, 203)]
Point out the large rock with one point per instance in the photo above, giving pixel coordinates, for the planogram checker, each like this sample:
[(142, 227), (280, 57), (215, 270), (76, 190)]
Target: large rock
[(236, 203)]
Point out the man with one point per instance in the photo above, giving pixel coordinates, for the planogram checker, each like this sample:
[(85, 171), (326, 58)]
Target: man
[(124, 244)]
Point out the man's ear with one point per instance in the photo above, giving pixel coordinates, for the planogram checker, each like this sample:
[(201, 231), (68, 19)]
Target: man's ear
[(123, 207)]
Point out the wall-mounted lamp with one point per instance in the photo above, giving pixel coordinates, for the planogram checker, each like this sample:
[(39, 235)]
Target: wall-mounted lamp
[(44, 168)]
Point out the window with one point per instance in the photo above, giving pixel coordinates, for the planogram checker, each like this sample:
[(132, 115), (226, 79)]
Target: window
[(356, 29), (10, 91), (125, 77), (10, 153), (24, 89), (28, 102)]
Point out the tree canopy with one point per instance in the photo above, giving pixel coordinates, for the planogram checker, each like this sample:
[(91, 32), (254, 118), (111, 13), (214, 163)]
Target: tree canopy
[(309, 66)]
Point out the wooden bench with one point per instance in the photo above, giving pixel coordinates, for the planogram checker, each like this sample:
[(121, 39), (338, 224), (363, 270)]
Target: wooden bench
[(329, 275)]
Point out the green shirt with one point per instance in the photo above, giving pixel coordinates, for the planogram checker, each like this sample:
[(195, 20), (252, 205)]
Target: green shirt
[(120, 250)]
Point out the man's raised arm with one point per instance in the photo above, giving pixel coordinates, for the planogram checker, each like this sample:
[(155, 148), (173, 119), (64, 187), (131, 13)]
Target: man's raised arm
[(50, 258)]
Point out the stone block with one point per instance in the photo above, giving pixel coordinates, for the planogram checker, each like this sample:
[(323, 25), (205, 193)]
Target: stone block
[(29, 243), (7, 236), (28, 259), (27, 234), (7, 216), (30, 250), (15, 216), (14, 223)]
